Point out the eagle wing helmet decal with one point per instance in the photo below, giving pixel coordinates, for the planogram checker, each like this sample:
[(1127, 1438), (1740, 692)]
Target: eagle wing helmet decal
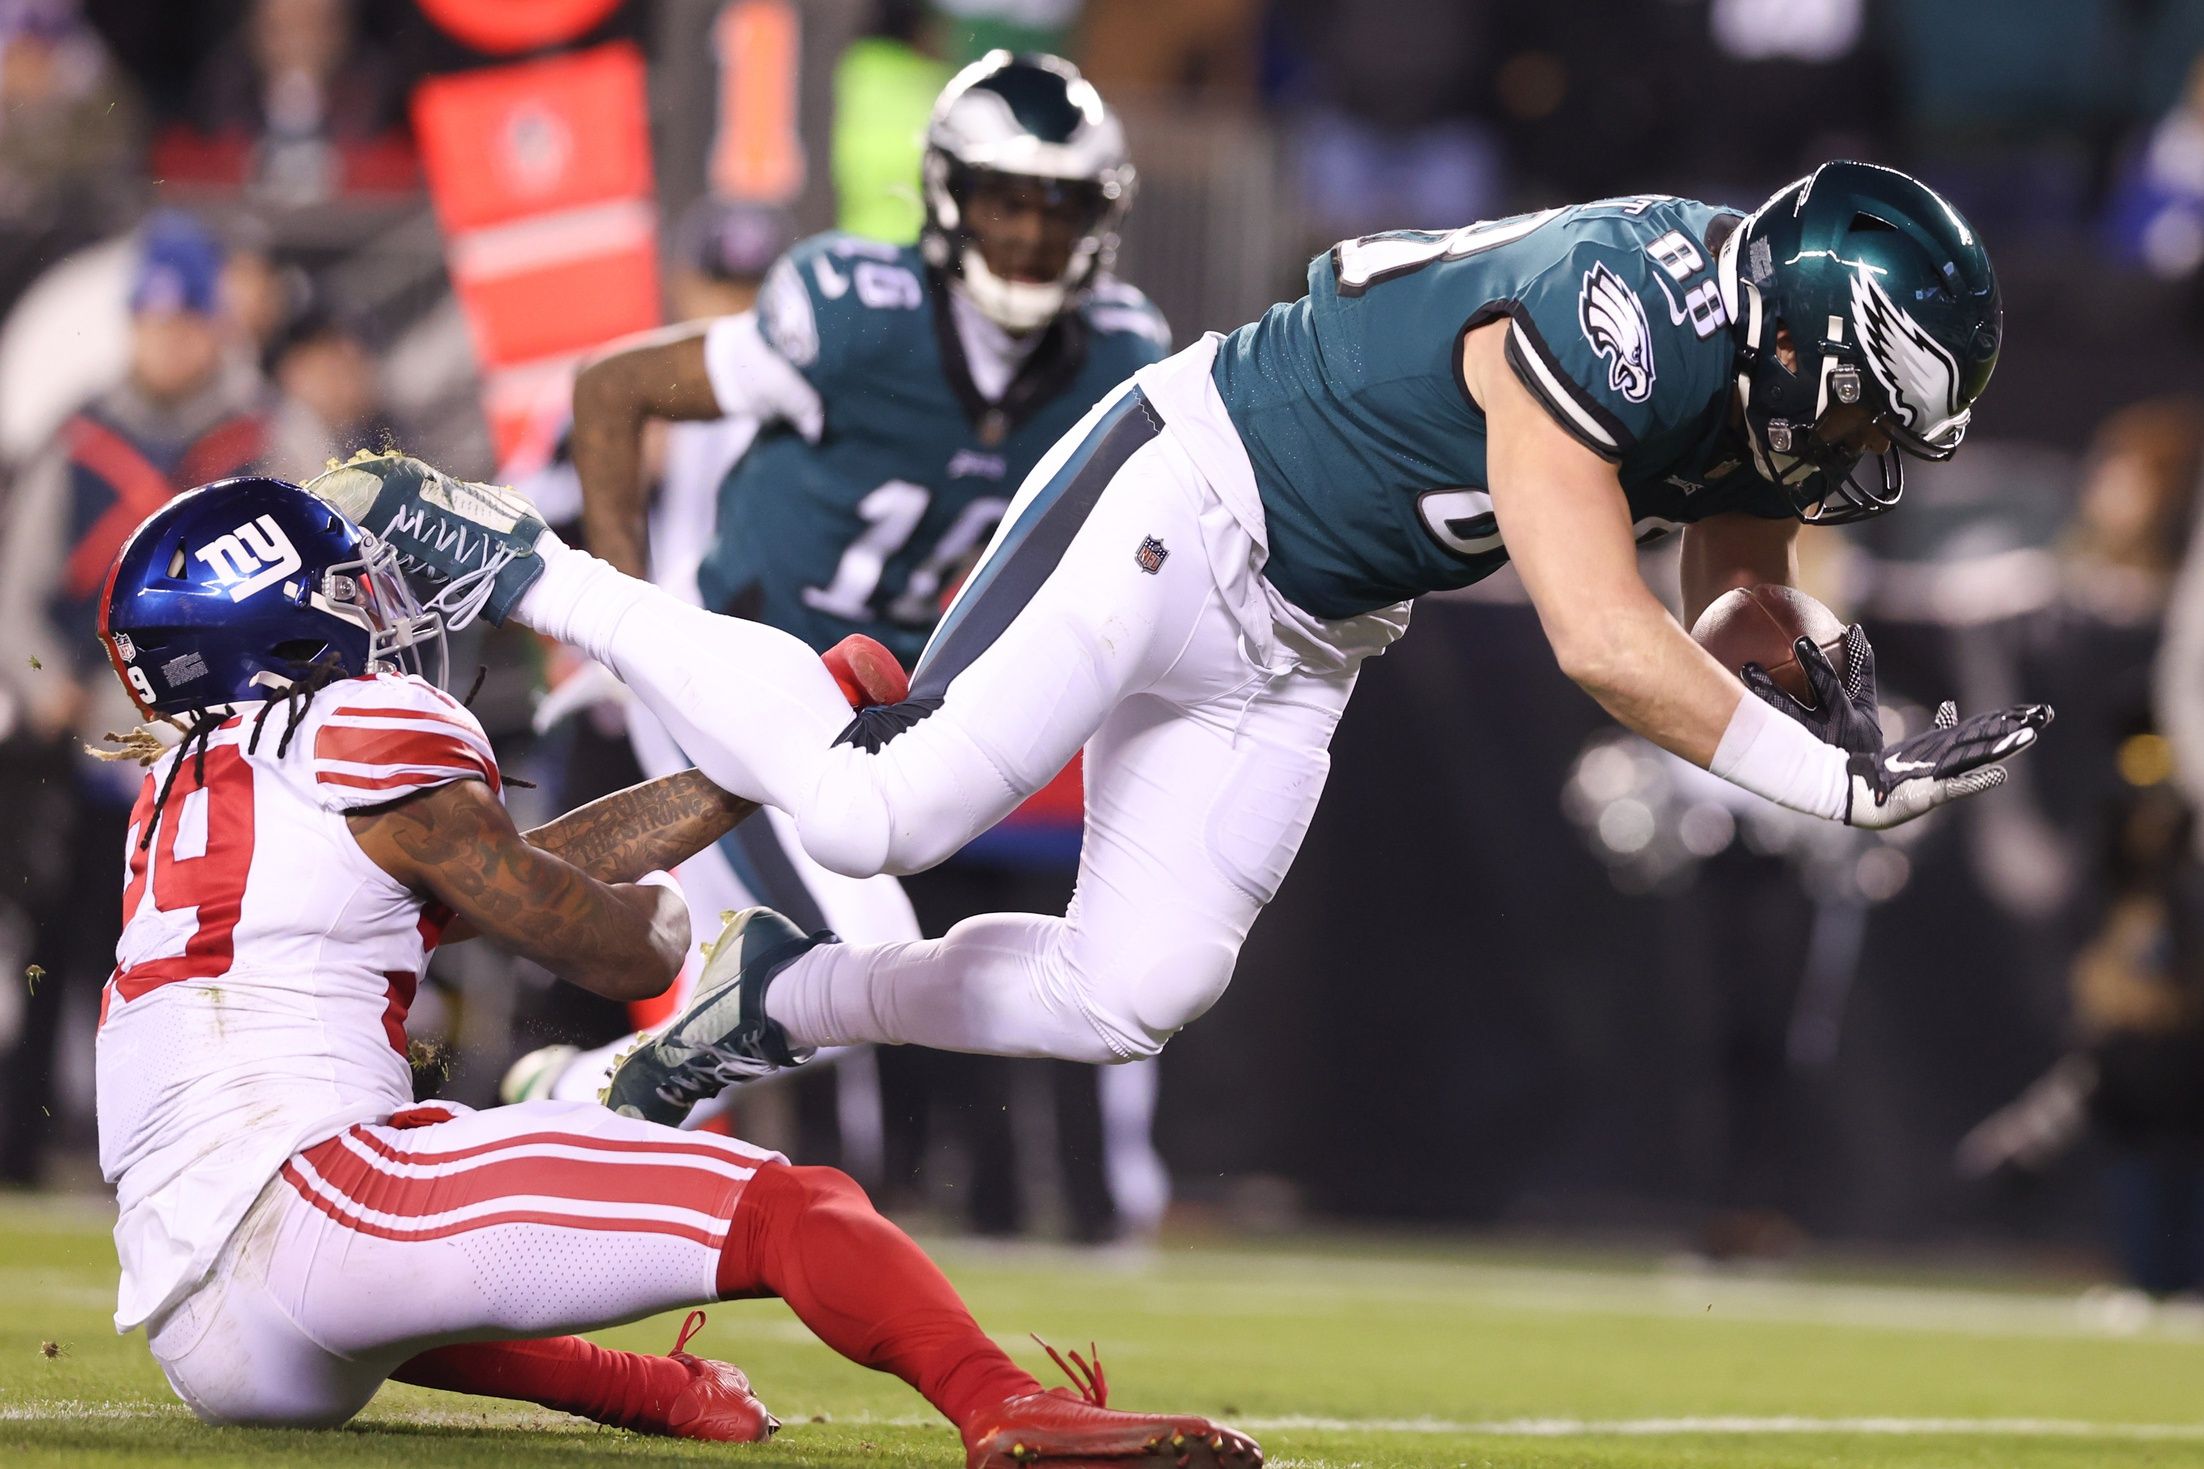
[(1918, 374), (1614, 323)]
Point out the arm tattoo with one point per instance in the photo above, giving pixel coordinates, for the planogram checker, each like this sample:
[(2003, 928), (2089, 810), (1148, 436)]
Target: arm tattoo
[(645, 827), (458, 845)]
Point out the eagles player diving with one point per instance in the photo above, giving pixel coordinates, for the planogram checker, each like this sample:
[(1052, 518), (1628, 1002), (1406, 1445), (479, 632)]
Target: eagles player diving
[(902, 393), (1189, 581)]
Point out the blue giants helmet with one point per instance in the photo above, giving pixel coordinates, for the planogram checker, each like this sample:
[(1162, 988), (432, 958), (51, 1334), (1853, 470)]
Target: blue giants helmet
[(231, 593)]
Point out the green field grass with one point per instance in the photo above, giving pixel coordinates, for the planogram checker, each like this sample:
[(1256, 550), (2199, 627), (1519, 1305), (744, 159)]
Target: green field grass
[(1335, 1353)]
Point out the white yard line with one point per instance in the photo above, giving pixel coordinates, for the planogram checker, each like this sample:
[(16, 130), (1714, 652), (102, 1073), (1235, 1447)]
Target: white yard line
[(1681, 1427), (66, 1410), (76, 1411), (1267, 1286)]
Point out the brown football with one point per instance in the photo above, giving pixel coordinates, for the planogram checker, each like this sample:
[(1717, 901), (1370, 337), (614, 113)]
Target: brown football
[(1758, 625)]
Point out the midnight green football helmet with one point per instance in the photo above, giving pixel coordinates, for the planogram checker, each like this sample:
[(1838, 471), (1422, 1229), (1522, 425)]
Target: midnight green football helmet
[(1890, 303)]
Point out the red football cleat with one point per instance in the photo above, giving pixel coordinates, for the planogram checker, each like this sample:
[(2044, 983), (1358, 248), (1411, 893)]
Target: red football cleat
[(1061, 1429), (717, 1404), (867, 672)]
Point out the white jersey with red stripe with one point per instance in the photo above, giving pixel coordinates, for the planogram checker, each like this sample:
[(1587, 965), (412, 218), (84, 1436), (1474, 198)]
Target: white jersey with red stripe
[(266, 964)]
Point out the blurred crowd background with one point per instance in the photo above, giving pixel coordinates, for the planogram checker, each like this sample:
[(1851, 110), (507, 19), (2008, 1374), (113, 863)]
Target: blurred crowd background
[(1527, 973)]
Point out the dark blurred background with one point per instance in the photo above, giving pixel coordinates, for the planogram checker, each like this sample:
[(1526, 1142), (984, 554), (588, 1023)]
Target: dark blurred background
[(1526, 973)]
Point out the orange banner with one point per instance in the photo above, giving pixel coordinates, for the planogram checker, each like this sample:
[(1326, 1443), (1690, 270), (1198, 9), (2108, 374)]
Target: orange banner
[(541, 174), (757, 152)]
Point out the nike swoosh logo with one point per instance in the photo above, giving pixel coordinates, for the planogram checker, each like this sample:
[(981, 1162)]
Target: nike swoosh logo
[(1901, 767), (1677, 316)]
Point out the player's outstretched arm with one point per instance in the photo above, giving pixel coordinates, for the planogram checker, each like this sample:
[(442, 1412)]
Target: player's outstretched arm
[(1566, 521), (646, 828), (1567, 526), (456, 844), (662, 376)]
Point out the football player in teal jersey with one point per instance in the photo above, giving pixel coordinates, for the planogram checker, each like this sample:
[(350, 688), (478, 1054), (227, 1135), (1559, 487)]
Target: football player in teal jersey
[(1188, 583), (899, 395), (904, 390)]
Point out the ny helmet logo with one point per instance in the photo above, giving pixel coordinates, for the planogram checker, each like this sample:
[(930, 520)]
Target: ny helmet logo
[(255, 555)]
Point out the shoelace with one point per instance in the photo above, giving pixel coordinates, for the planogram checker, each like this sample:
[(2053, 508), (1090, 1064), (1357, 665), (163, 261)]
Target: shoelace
[(1088, 1378), (712, 1070), (690, 1326), (464, 596)]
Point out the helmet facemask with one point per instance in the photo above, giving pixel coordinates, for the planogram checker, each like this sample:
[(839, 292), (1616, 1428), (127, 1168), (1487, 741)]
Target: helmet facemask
[(372, 594), (1785, 412), (1079, 227)]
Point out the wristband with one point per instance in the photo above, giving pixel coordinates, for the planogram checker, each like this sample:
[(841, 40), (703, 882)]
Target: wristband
[(1773, 755)]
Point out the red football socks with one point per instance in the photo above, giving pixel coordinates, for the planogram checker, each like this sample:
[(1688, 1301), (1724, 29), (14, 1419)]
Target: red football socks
[(624, 1389), (811, 1237)]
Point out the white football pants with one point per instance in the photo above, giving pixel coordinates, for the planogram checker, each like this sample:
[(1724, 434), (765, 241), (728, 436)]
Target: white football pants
[(1095, 619), (446, 1225)]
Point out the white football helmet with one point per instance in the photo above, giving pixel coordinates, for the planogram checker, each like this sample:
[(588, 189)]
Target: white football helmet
[(1030, 118)]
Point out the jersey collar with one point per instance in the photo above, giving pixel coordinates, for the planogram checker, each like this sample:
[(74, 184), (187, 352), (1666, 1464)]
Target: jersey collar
[(1047, 370)]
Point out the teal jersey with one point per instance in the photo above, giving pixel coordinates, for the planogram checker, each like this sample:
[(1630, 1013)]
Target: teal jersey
[(868, 529), (1369, 453)]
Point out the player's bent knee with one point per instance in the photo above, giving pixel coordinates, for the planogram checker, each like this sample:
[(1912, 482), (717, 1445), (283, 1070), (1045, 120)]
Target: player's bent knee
[(905, 806), (304, 1398), (782, 1193), (1179, 991), (846, 832), (829, 1188), (859, 834), (1158, 994)]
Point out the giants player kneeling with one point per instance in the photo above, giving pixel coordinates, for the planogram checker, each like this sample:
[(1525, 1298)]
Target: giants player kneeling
[(293, 1229)]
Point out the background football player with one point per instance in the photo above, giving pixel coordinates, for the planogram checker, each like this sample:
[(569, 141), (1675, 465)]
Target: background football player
[(1188, 583), (901, 394), (293, 1230)]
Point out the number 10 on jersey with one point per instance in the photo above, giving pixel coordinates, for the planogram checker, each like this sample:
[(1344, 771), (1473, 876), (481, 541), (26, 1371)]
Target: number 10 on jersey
[(892, 514)]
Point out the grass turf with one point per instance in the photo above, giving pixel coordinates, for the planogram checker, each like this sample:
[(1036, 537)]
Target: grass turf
[(1334, 1353)]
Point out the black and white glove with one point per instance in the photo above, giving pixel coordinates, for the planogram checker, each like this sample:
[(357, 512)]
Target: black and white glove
[(1886, 787), (1844, 712), (1949, 759)]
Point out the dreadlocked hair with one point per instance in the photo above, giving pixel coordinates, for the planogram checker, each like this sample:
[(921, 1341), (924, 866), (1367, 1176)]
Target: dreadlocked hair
[(201, 729), (308, 679)]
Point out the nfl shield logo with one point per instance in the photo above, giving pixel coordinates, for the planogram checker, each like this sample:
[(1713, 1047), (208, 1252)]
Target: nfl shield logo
[(1151, 555)]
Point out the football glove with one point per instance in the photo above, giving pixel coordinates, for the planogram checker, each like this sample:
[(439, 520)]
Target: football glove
[(1889, 786), (1844, 712), (1950, 759)]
